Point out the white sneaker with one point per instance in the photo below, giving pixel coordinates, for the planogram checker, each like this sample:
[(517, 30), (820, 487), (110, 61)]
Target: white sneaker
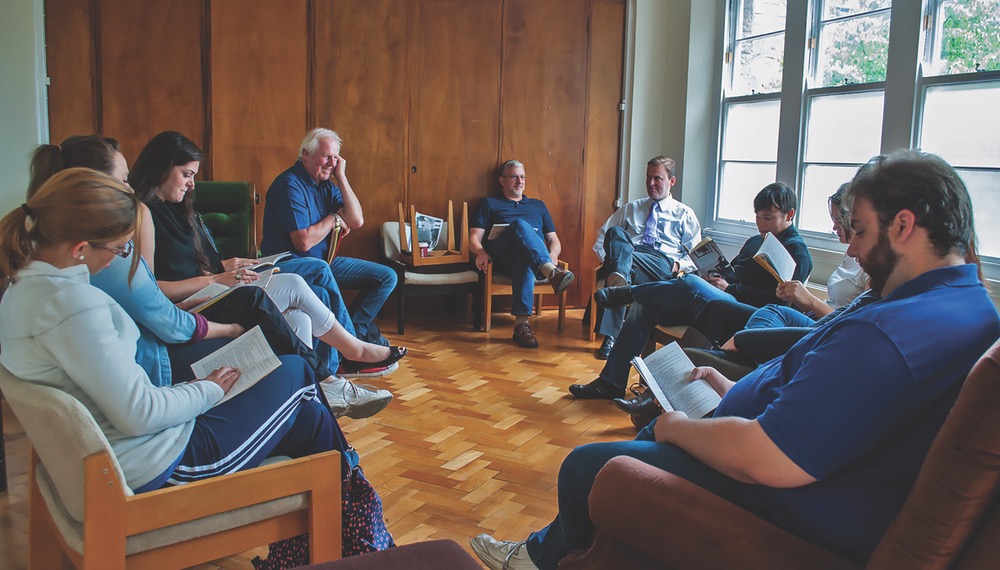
[(502, 554), (354, 401)]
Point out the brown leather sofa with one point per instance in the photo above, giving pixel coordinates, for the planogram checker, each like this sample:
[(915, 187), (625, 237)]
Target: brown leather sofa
[(648, 518)]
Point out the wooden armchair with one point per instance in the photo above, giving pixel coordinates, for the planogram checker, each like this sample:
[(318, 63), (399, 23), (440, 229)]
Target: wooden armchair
[(648, 518), (82, 512), (495, 283)]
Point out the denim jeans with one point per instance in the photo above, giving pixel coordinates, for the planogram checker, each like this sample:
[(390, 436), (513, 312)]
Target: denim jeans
[(520, 253), (673, 302), (572, 529), (778, 316), (374, 282), (637, 263)]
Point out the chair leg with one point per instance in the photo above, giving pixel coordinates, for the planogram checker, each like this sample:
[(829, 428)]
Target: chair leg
[(487, 311), (593, 319), (400, 317), (562, 310)]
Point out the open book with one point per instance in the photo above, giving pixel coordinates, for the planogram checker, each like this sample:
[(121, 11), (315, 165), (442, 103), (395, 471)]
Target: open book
[(708, 258), (270, 261), (666, 372), (250, 354), (495, 231), (773, 257), (217, 291)]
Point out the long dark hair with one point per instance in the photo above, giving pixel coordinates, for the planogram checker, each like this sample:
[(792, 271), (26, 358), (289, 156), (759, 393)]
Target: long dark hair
[(77, 204), (152, 168), (87, 151)]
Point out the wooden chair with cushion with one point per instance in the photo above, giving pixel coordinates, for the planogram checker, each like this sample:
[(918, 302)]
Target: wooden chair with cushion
[(648, 518), (495, 284), (82, 512), (229, 210), (412, 281)]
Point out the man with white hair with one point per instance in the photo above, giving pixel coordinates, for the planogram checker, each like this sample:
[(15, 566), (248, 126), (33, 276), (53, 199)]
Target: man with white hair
[(304, 204)]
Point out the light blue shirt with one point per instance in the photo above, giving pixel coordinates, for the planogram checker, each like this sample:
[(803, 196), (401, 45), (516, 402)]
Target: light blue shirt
[(677, 227)]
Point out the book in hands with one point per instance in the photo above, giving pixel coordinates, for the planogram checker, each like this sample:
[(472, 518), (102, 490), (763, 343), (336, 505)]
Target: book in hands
[(667, 373), (331, 251), (217, 291), (250, 354), (496, 230), (773, 257), (709, 259), (269, 261)]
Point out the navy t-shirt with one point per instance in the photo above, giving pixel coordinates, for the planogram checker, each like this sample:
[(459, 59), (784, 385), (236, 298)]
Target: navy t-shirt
[(295, 202), (502, 210), (857, 403)]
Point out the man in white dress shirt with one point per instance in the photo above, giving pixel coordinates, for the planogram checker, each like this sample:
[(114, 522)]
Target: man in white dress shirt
[(645, 241)]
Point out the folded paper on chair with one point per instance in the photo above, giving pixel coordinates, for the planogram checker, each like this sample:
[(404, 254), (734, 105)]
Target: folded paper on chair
[(250, 354), (667, 372)]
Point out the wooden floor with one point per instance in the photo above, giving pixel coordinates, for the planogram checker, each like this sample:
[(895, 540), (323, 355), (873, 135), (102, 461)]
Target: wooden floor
[(471, 443)]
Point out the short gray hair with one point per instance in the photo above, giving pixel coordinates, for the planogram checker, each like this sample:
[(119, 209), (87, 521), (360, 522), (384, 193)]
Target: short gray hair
[(510, 164), (311, 142)]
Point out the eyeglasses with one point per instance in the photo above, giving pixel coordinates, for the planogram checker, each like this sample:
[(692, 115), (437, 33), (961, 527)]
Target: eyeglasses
[(122, 251)]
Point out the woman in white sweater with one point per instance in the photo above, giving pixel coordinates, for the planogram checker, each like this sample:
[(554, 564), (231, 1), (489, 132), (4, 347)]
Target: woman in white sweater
[(58, 330)]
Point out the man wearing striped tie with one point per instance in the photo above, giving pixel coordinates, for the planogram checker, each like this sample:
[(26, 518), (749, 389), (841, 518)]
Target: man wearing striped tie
[(645, 240)]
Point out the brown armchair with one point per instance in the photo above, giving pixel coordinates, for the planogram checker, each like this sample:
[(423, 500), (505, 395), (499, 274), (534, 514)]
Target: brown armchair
[(648, 518)]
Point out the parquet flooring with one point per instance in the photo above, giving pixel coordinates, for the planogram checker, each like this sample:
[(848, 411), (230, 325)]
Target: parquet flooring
[(471, 443)]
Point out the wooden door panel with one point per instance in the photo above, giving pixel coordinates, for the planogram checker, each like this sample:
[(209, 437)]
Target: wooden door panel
[(604, 94), (151, 71), (359, 90), (71, 68), (543, 114), (259, 88), (454, 78)]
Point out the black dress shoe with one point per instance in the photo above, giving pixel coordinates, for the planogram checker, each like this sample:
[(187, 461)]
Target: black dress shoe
[(596, 390), (642, 405), (606, 346), (614, 297)]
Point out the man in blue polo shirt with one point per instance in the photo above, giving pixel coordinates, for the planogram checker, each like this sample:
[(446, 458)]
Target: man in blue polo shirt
[(307, 202), (527, 248), (827, 440)]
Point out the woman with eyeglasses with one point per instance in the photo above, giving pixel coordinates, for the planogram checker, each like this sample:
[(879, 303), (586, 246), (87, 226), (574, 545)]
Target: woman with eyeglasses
[(58, 330), (171, 339)]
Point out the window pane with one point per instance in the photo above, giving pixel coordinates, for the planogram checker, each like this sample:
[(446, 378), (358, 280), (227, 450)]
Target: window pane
[(841, 8), (966, 37), (752, 131), (961, 123), (757, 65), (844, 128), (740, 183), (984, 188), (760, 17), (818, 184), (853, 51)]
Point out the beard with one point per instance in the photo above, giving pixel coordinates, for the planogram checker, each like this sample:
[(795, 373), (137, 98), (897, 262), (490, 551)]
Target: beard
[(880, 262)]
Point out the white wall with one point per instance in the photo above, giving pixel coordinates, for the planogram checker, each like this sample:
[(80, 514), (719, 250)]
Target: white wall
[(24, 118)]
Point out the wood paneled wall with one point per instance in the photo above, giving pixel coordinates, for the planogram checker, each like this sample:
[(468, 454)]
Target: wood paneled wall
[(429, 95)]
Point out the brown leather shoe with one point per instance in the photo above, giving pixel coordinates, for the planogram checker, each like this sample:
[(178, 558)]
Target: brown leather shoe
[(561, 279), (524, 336)]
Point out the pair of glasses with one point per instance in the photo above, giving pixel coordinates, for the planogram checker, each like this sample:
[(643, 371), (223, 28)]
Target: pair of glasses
[(122, 251)]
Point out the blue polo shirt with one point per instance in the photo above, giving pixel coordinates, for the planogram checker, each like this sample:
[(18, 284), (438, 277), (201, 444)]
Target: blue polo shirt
[(294, 202), (857, 403), (502, 210)]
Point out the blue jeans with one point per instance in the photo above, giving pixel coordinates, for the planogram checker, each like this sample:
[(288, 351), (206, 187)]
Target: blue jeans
[(637, 263), (674, 302), (520, 253), (572, 529), (374, 282), (778, 316), (318, 276)]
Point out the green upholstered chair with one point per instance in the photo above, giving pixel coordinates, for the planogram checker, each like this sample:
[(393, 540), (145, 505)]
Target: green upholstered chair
[(229, 210)]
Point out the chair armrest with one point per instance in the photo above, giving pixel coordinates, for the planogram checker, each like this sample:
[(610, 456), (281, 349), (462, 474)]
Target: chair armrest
[(684, 526)]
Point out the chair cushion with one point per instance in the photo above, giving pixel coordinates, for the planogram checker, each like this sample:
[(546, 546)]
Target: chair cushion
[(467, 276), (958, 482), (430, 555), (72, 530), (226, 210)]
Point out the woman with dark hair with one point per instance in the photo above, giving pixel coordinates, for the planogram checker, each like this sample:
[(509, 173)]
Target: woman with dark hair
[(172, 338)]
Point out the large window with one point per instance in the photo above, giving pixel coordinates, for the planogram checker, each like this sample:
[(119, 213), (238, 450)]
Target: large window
[(809, 96)]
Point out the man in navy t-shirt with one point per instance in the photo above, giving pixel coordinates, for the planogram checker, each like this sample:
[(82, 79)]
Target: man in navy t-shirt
[(827, 440), (526, 248)]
